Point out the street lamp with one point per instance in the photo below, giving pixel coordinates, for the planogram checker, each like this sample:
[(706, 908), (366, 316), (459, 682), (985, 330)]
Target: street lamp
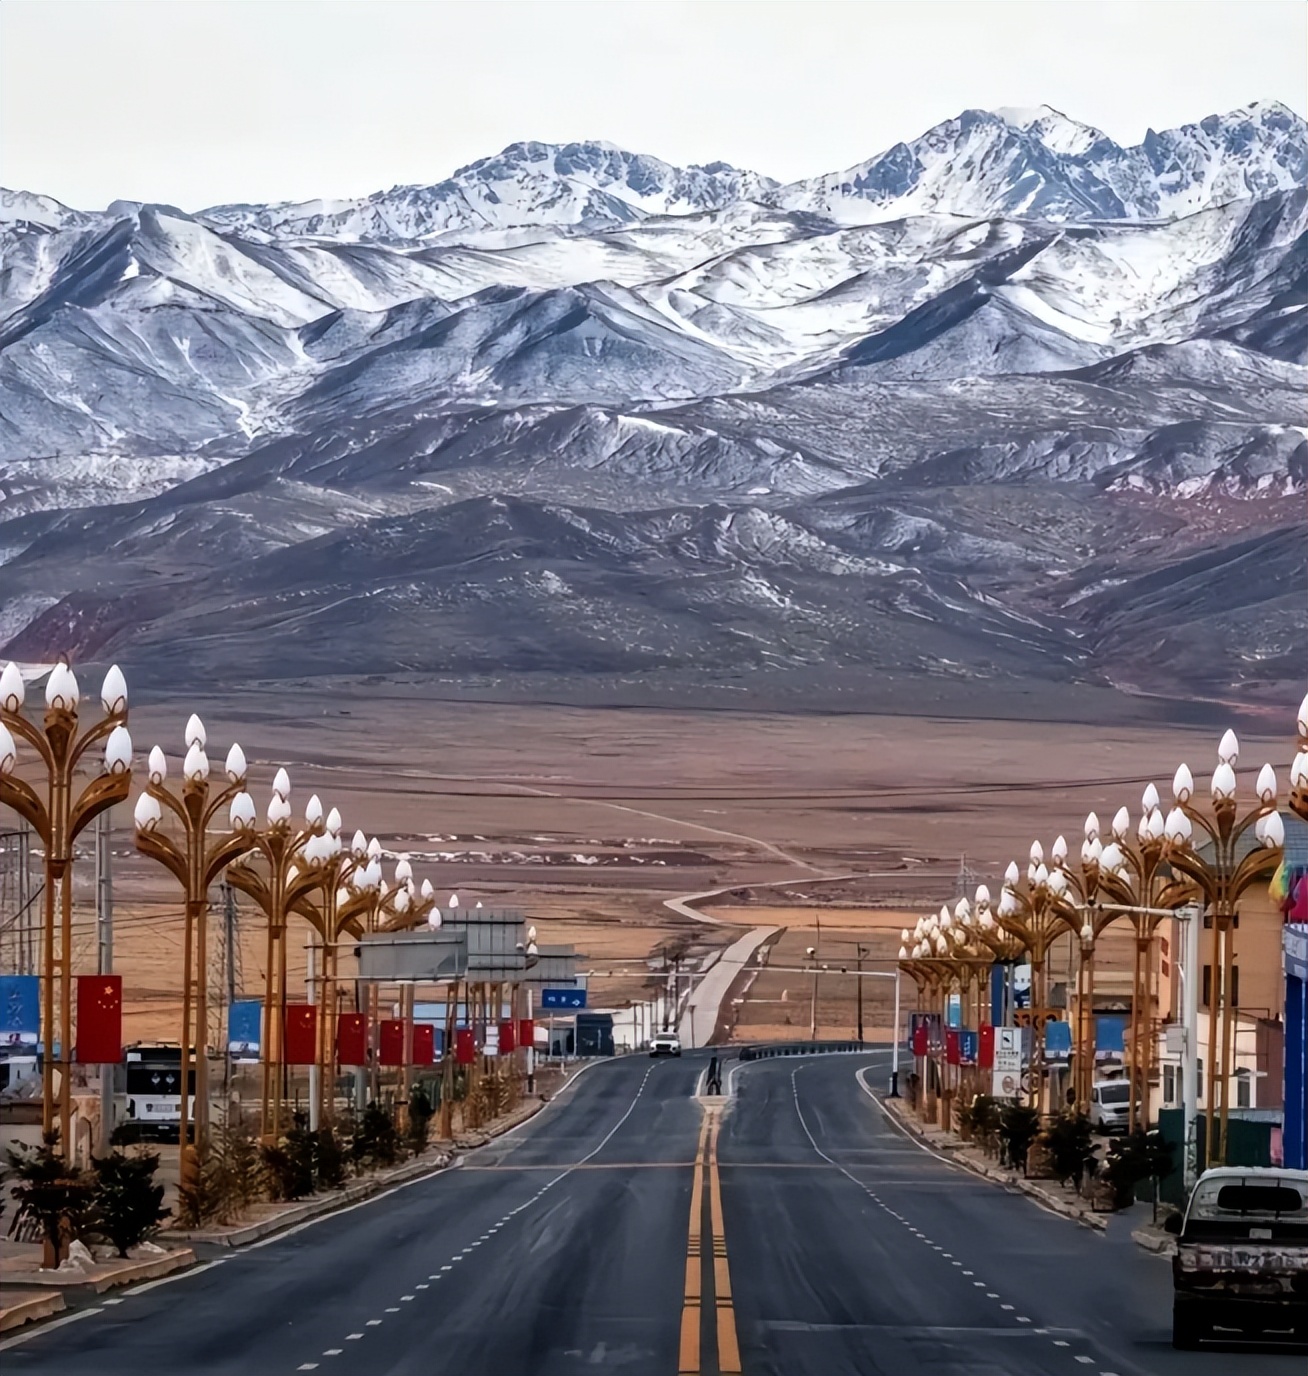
[(58, 819), (1227, 862), (285, 879), (1037, 914), (196, 864)]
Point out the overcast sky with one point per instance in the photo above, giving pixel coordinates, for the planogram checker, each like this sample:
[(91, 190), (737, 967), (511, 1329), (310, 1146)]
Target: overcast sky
[(197, 102)]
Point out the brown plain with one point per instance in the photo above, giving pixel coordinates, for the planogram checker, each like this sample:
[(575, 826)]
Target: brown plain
[(589, 819)]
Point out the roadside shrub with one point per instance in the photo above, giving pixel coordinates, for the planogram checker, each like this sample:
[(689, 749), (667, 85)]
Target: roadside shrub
[(229, 1179), (1018, 1126), (128, 1202), (1068, 1141), (56, 1201), (980, 1121), (420, 1116), (376, 1139), (290, 1163), (1133, 1159), (329, 1160)]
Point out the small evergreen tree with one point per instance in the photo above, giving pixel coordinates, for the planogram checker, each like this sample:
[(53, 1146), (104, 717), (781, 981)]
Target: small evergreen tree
[(376, 1140), (420, 1116), (55, 1200), (290, 1163), (1068, 1140), (1131, 1159), (128, 1203), (1018, 1126), (329, 1159)]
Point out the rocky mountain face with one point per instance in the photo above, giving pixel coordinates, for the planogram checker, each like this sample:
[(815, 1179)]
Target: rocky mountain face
[(1009, 418)]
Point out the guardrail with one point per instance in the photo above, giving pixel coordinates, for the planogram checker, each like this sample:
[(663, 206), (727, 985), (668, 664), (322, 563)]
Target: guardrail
[(764, 1050)]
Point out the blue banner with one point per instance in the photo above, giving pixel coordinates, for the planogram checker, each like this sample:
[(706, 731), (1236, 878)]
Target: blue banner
[(954, 1011), (1058, 1040), (967, 1046), (1110, 1032), (244, 1023), (20, 1010)]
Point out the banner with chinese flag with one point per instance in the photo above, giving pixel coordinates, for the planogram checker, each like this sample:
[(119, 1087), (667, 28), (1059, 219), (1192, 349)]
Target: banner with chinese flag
[(301, 1038), (465, 1048), (920, 1035), (526, 1032), (951, 1046), (507, 1030), (99, 1019), (392, 1042), (985, 1055), (424, 1043), (352, 1039)]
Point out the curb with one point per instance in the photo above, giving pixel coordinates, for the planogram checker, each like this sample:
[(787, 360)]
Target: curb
[(1160, 1244), (315, 1208), (125, 1273), (1088, 1218), (360, 1190), (29, 1310)]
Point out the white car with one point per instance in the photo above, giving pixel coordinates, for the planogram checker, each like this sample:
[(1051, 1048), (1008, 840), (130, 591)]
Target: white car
[(665, 1044)]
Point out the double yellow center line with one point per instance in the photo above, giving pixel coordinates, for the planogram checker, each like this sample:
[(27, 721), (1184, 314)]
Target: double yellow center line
[(690, 1359)]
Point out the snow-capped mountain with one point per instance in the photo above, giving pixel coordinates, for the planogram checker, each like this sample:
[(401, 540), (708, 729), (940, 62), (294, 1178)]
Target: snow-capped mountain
[(575, 411), (1039, 164), (528, 184)]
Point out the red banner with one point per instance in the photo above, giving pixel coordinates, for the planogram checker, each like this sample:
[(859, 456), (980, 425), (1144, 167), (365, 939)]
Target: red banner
[(985, 1056), (99, 1019), (352, 1039), (424, 1043), (526, 1032), (300, 1039), (506, 1038), (921, 1035), (392, 1042), (952, 1056), (465, 1048)]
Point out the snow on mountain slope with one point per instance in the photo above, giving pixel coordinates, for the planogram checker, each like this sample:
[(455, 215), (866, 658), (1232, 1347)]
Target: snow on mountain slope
[(1038, 164), (574, 412), (575, 184)]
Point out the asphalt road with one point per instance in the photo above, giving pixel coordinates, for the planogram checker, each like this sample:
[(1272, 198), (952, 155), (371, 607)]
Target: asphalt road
[(624, 1230)]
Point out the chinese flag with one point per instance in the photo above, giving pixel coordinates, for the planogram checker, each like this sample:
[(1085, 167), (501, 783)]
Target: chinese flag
[(99, 1019), (465, 1048), (300, 1045), (506, 1038), (392, 1042), (951, 1046), (921, 1042), (424, 1043), (526, 1032), (985, 1056), (352, 1039)]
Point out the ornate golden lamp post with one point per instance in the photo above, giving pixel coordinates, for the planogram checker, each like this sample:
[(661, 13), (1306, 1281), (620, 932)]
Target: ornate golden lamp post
[(1036, 915), (279, 886), (195, 861), (1136, 878), (58, 819), (1226, 863), (1299, 769)]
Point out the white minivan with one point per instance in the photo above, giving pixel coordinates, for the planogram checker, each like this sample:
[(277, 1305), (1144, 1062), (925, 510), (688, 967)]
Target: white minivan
[(1110, 1105)]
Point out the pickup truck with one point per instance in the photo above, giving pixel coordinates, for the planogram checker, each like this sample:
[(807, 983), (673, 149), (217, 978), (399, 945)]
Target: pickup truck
[(1241, 1265)]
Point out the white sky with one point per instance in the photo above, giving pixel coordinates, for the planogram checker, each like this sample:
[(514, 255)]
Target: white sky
[(197, 102)]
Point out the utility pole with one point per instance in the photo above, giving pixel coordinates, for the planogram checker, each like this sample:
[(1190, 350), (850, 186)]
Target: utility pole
[(104, 912), (894, 1043)]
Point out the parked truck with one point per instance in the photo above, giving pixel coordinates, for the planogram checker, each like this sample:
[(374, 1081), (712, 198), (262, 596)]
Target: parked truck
[(1241, 1265)]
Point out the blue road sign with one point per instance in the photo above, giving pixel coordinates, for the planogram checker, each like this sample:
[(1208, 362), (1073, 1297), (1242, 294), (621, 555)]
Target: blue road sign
[(563, 998)]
